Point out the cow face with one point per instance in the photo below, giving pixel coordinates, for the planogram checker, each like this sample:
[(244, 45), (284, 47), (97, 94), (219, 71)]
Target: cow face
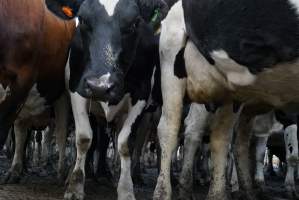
[(109, 33)]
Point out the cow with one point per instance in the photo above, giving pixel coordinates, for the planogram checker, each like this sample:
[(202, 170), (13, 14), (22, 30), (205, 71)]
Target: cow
[(241, 56), (34, 51), (278, 132), (112, 59)]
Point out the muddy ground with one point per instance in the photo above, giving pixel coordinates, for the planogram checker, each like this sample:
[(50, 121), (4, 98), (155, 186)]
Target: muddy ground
[(42, 186)]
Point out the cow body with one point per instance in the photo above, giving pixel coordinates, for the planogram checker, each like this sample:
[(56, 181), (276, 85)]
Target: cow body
[(31, 53), (230, 59), (137, 90), (34, 49)]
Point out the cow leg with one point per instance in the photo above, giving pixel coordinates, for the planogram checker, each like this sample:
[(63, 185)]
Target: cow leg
[(260, 149), (103, 173), (291, 143), (47, 139), (75, 189), (125, 185), (195, 124), (172, 40), (222, 127), (142, 132), (16, 169), (242, 153), (61, 118)]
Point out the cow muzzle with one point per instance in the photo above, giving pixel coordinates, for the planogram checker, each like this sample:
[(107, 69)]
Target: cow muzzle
[(104, 88)]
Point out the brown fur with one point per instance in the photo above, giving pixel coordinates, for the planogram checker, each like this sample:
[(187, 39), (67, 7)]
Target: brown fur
[(33, 49)]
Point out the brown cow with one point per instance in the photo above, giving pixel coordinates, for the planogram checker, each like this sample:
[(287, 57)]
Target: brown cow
[(33, 50), (34, 46)]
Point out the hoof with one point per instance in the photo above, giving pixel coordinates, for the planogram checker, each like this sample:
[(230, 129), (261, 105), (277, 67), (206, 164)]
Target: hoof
[(251, 195), (75, 189), (105, 181), (13, 176), (185, 192), (137, 180), (219, 196), (162, 191), (291, 193)]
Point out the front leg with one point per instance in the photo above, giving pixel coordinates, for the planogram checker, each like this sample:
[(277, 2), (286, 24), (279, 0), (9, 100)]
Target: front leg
[(75, 189), (172, 40), (291, 142), (125, 188), (196, 124), (221, 131), (16, 169)]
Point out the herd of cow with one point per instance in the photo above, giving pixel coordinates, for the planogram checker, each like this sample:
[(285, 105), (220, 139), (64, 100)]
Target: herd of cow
[(235, 61)]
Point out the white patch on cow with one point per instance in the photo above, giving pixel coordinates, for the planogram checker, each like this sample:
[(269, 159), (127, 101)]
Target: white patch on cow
[(83, 141), (34, 105), (125, 184), (4, 93), (112, 111), (237, 74), (109, 5), (295, 4), (291, 147), (172, 40), (109, 56), (104, 81), (77, 21)]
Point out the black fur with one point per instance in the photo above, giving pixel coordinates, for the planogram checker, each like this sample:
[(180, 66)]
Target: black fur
[(255, 33)]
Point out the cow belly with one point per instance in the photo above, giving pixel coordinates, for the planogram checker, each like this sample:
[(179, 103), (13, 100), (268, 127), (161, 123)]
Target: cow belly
[(34, 105), (204, 82), (277, 86)]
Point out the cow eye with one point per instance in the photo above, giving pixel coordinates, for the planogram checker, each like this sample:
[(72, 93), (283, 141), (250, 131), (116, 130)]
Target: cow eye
[(132, 27)]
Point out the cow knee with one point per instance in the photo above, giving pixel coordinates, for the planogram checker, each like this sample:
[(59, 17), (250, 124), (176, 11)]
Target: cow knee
[(83, 140), (122, 145)]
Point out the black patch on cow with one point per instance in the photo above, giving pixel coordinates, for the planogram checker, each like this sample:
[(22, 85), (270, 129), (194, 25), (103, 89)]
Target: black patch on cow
[(287, 119), (291, 149), (255, 33), (77, 61), (212, 107), (179, 65)]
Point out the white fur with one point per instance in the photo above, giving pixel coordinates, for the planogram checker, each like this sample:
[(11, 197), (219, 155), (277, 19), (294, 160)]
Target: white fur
[(295, 3), (125, 185), (173, 38), (34, 105), (235, 73), (4, 93), (104, 80), (109, 5)]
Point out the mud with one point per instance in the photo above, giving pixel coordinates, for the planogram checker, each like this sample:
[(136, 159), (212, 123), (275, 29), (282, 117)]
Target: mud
[(39, 184)]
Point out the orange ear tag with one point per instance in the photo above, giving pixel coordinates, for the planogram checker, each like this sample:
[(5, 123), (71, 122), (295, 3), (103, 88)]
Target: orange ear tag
[(67, 11)]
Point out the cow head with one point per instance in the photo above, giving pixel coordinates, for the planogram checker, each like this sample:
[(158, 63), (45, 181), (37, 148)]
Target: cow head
[(109, 32)]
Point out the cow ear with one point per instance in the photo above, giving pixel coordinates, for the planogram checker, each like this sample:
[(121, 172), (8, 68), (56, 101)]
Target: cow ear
[(65, 9), (153, 11)]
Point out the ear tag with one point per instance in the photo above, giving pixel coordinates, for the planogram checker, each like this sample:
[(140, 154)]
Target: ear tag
[(154, 21), (67, 11), (155, 16)]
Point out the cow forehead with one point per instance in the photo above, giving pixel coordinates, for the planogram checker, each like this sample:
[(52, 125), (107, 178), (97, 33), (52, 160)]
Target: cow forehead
[(109, 5), (295, 4)]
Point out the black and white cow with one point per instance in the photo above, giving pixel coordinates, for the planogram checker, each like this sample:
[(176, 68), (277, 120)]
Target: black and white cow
[(112, 60), (235, 52)]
